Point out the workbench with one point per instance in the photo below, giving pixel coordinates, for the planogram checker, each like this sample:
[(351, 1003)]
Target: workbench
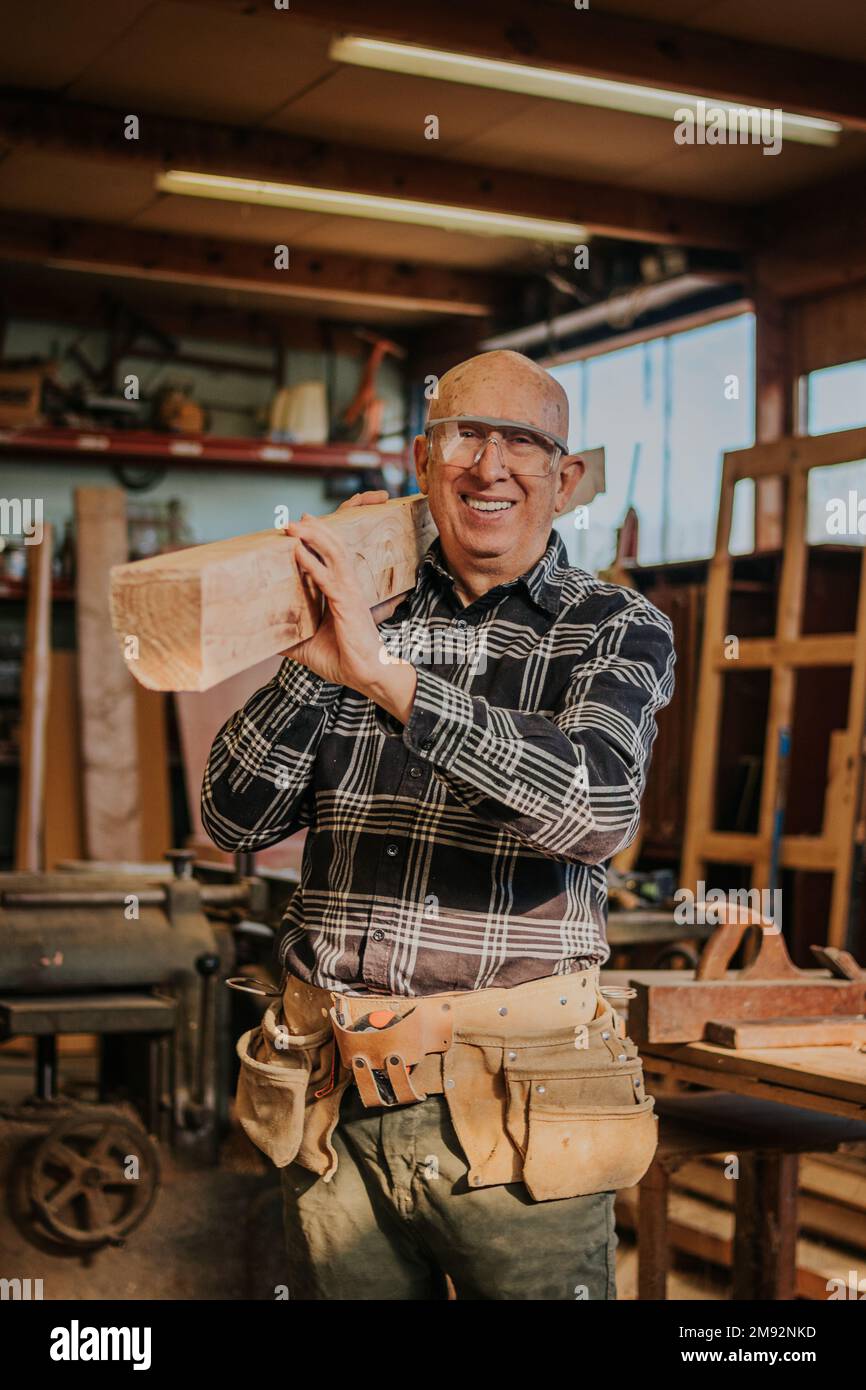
[(760, 1104)]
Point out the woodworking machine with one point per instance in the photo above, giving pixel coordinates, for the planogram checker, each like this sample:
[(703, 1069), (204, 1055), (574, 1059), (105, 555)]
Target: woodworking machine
[(136, 957)]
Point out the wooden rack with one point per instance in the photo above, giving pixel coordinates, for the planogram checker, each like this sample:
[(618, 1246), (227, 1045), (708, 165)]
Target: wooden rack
[(782, 654)]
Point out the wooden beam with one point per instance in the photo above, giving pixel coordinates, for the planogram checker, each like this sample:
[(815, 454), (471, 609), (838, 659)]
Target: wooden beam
[(106, 694), (235, 265), (679, 1012), (830, 329), (151, 711), (64, 813), (787, 1032), (813, 241), (774, 394), (35, 694), (36, 294), (42, 121), (596, 43), (201, 615), (762, 653), (792, 455)]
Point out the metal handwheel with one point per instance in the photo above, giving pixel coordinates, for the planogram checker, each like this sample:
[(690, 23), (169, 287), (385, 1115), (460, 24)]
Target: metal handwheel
[(94, 1178)]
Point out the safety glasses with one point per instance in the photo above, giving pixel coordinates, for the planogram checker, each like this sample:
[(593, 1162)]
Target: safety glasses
[(523, 449)]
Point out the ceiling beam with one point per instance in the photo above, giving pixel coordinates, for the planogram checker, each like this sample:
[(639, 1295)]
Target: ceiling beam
[(813, 240), (44, 121), (33, 294), (596, 43), (136, 254)]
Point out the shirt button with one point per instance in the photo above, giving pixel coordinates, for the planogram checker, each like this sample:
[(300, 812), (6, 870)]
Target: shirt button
[(426, 743), (461, 622), (378, 934), (392, 851), (414, 772)]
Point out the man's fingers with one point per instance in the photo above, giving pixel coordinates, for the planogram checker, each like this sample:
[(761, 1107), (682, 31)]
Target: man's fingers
[(363, 499), (310, 564), (322, 539)]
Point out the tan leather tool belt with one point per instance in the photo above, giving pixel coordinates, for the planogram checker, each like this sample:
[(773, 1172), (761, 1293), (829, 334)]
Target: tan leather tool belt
[(541, 1083)]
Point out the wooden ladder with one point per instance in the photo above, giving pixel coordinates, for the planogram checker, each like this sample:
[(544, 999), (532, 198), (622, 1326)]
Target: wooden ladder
[(783, 654)]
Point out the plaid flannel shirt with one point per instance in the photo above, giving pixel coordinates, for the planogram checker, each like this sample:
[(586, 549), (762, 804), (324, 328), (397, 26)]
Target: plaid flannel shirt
[(467, 849)]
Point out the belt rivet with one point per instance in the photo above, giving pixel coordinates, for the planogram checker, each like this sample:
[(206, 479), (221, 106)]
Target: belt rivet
[(541, 1090), (446, 1008), (476, 1182), (512, 1056), (395, 1061), (359, 1062), (450, 1082), (563, 1000), (503, 1012)]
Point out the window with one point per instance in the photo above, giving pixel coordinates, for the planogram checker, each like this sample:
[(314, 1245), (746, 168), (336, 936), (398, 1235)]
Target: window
[(837, 495), (666, 411)]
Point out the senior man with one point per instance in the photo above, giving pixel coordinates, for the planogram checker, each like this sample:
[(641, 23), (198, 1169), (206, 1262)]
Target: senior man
[(440, 1079)]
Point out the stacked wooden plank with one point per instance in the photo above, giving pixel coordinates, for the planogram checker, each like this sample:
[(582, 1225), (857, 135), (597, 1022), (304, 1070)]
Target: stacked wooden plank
[(831, 1212)]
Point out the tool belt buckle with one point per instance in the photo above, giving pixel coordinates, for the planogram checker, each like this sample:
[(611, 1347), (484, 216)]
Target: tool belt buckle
[(391, 1045)]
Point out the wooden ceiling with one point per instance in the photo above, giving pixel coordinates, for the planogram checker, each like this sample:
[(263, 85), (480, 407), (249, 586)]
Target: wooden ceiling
[(238, 87)]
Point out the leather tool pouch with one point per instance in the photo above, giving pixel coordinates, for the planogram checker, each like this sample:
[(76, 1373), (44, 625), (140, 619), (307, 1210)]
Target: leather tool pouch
[(380, 1060), (280, 1076), (579, 1115)]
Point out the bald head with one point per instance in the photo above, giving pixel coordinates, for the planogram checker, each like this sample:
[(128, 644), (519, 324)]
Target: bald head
[(503, 385)]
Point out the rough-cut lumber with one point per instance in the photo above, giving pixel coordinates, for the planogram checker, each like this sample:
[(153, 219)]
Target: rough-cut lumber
[(109, 742), (201, 615), (154, 773), (679, 1013), (35, 688), (64, 808), (788, 1032)]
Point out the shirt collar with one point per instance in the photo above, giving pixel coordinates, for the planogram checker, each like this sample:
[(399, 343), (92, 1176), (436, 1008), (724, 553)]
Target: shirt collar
[(543, 582)]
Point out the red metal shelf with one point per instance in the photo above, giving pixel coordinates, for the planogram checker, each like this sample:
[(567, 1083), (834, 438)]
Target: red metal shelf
[(192, 451)]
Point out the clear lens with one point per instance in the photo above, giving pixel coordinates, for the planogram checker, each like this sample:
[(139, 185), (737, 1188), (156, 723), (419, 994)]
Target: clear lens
[(459, 442)]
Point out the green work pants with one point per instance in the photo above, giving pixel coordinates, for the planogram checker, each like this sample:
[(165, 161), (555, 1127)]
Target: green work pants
[(398, 1215)]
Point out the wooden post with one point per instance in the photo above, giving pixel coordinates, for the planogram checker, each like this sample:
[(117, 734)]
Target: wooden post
[(109, 743), (653, 1244), (778, 407), (765, 1238), (35, 691)]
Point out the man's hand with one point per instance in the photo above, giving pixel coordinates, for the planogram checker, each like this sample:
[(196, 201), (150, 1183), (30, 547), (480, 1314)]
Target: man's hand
[(346, 648)]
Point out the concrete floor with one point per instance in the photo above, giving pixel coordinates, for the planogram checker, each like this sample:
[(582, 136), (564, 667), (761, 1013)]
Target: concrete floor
[(212, 1233)]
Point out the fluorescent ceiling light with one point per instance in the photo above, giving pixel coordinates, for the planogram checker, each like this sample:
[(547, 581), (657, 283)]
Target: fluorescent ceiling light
[(343, 204), (559, 86)]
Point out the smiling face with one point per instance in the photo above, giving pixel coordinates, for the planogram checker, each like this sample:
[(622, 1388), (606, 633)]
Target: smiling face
[(492, 524)]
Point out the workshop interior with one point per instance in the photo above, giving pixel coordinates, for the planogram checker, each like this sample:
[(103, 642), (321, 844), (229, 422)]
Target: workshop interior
[(240, 242)]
